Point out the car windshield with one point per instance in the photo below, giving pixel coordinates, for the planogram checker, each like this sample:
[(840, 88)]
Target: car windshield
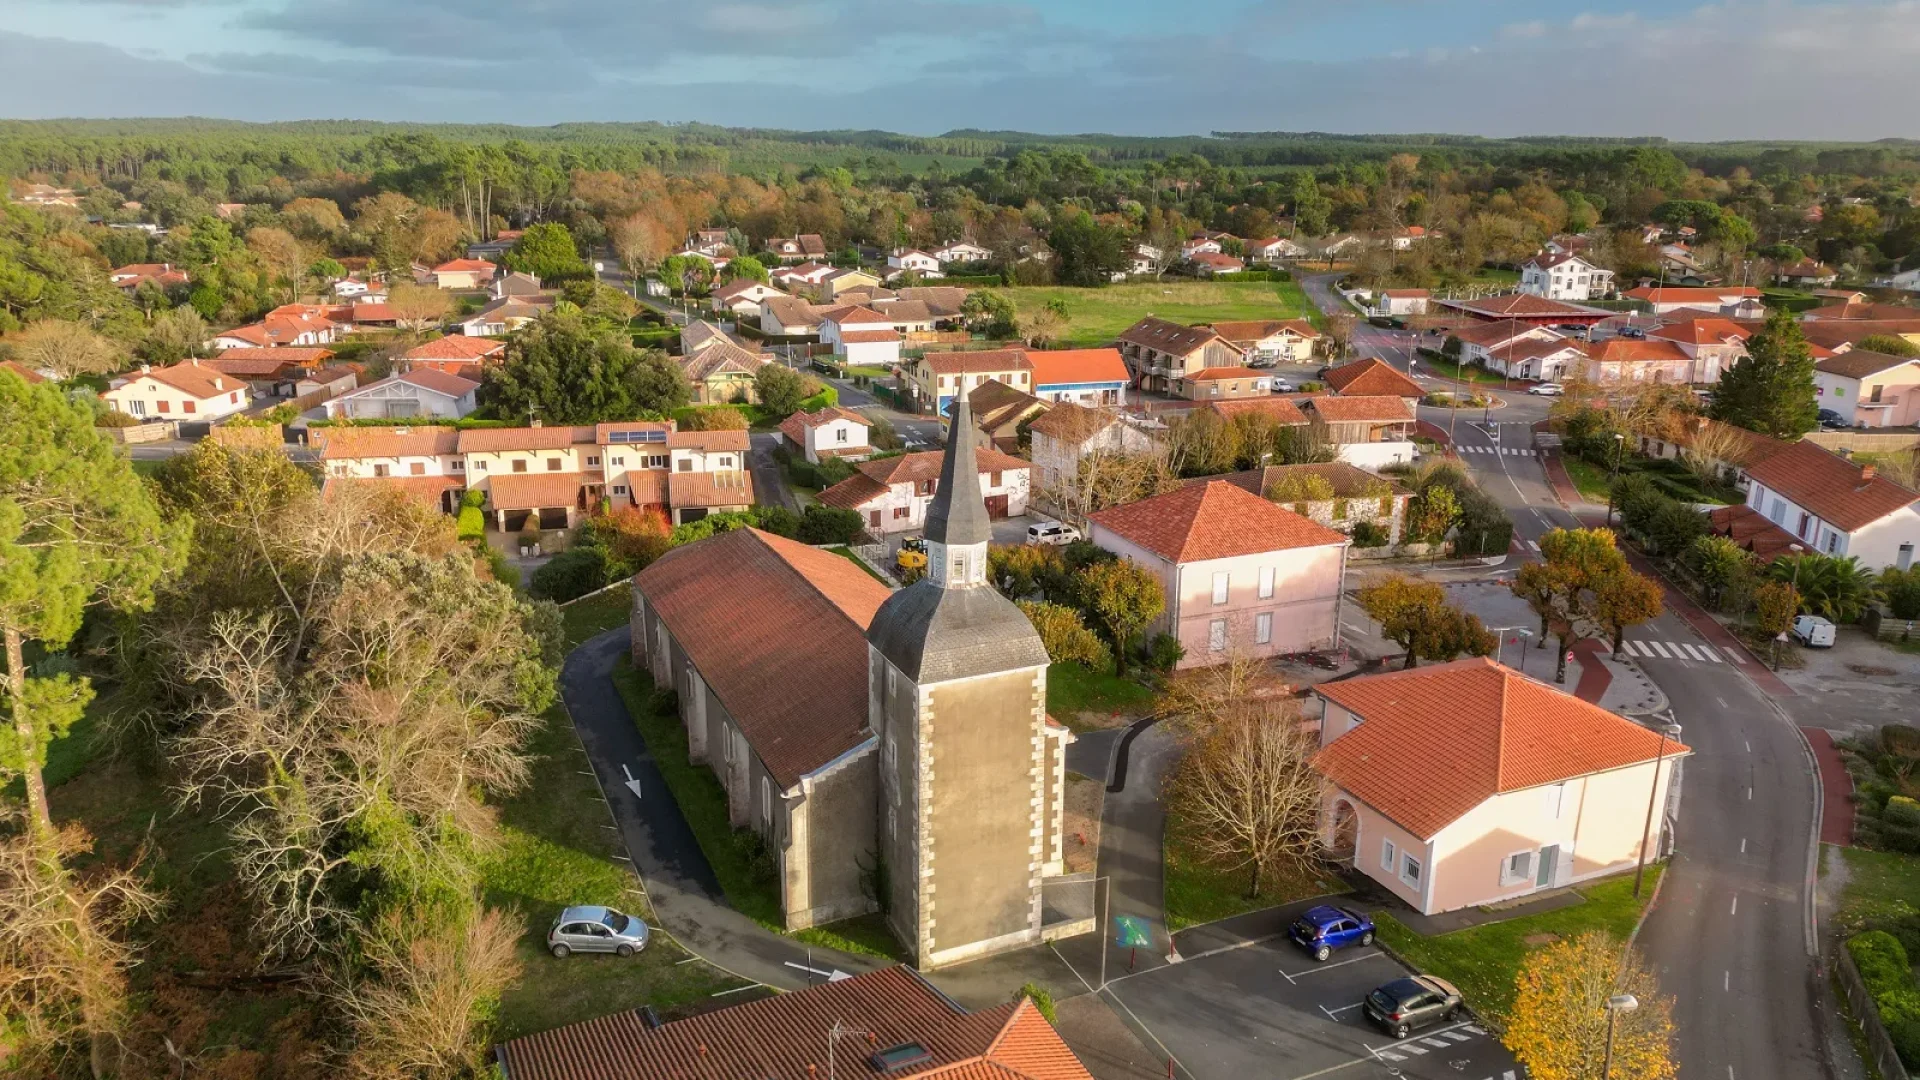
[(614, 921)]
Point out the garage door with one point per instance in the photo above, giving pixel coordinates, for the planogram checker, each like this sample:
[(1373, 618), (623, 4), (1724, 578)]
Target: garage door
[(996, 506)]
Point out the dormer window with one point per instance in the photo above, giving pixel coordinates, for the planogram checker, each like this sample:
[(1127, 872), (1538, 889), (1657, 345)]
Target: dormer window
[(957, 572)]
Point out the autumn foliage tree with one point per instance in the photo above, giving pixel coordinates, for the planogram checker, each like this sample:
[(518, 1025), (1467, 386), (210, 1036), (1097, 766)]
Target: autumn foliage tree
[(1123, 597), (1416, 616), (1625, 599), (1558, 1028)]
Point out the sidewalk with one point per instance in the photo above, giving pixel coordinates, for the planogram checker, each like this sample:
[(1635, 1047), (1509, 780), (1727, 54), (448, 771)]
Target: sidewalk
[(1836, 815)]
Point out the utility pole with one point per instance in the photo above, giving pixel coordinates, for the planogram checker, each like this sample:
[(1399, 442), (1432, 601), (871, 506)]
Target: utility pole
[(1653, 794)]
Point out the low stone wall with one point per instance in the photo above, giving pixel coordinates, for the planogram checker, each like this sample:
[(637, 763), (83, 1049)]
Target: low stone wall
[(1878, 1044)]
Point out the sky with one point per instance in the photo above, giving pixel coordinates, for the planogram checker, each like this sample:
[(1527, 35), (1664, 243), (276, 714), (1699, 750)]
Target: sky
[(1732, 69)]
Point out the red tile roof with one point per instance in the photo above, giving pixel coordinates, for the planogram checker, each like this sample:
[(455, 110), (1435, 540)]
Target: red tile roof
[(1213, 520), (876, 476), (439, 382), (455, 347), (1281, 410), (426, 489), (709, 440), (1525, 306), (795, 426), (1071, 422), (1435, 742), (1751, 530), (1622, 350), (1372, 376), (982, 362), (1863, 311), (456, 266), (782, 1038), (1216, 373), (193, 377), (1678, 294), (337, 443), (537, 491), (733, 487), (1706, 331), (800, 705), (868, 337), (1076, 366), (1846, 495), (1247, 331), (24, 372), (1375, 409), (488, 440)]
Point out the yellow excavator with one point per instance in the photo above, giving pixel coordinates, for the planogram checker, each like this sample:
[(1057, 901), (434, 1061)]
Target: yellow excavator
[(913, 554)]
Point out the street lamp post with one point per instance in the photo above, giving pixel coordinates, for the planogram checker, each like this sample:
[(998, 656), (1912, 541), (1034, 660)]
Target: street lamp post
[(1500, 650), (1653, 798), (1616, 1005), (1619, 444)]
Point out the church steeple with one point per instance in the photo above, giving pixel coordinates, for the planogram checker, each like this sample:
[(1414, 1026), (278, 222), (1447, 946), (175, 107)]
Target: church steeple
[(958, 527)]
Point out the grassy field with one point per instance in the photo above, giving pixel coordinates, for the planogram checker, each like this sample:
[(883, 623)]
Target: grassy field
[(1589, 479), (1200, 892), (847, 554), (1452, 372), (1881, 885), (1097, 316), (596, 614), (1483, 961), (1073, 689)]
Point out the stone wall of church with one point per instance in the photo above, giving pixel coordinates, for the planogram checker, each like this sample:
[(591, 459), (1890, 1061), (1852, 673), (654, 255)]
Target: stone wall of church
[(832, 835)]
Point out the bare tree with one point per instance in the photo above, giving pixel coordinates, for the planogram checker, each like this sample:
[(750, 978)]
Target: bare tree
[(418, 307), (1104, 478), (65, 349), (1246, 793), (1711, 448), (420, 1006)]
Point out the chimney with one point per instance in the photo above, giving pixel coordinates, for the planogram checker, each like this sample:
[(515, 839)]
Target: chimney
[(217, 384), (1866, 473), (535, 422)]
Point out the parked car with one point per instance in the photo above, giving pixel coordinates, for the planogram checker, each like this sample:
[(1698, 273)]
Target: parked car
[(1406, 1005), (1546, 389), (1829, 418), (1320, 930), (596, 929), (1322, 373), (1051, 532), (1282, 386), (1813, 631), (1632, 332)]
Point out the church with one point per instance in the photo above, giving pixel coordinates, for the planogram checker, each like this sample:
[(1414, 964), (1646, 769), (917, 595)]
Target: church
[(891, 748)]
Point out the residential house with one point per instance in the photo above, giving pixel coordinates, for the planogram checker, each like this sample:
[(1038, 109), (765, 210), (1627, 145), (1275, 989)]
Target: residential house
[(960, 251), (944, 304), (295, 328), (1356, 496), (456, 354), (185, 391), (134, 275), (1373, 377), (419, 392), (790, 316), (1391, 302), (505, 315), (1869, 389), (1339, 246), (999, 411), (27, 374), (1067, 434), (839, 281), (913, 260), (1727, 300), (828, 432), (1469, 784), (806, 247), (709, 242), (1270, 341), (1522, 308), (1677, 261), (1712, 343), (936, 377), (1545, 359), (806, 277), (1631, 360), (709, 474), (742, 296), (1729, 448), (700, 333), (1840, 335), (723, 372), (1404, 239), (332, 381), (424, 462), (1564, 276), (1159, 353), (462, 274), (1806, 273), (1835, 506), (1209, 264), (1479, 341), (1201, 244), (268, 371), (1272, 249), (1082, 376), (1858, 310), (349, 287), (905, 1028), (1222, 383), (823, 714), (1241, 575), (862, 335), (1370, 432), (1904, 280), (517, 283), (894, 494), (1144, 260)]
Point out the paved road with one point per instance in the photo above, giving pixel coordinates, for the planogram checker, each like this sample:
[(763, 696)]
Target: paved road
[(686, 899), (1730, 936)]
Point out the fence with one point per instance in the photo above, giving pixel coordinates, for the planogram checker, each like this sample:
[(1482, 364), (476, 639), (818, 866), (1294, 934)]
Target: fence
[(1887, 628), (1878, 1043), (1862, 441), (140, 433)]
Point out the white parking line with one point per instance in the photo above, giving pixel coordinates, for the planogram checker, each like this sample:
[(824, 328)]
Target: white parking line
[(1329, 967), (1334, 1014)]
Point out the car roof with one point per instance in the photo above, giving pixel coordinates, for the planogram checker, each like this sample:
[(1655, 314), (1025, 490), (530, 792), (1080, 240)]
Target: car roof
[(1326, 913), (584, 913), (1401, 989)]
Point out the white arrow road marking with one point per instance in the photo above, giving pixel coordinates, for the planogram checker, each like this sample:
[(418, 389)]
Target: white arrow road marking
[(632, 784), (832, 975)]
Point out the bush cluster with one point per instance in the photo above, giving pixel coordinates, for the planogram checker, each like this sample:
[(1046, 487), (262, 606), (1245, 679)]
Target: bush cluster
[(1888, 976), (1666, 526), (608, 547), (1887, 817)]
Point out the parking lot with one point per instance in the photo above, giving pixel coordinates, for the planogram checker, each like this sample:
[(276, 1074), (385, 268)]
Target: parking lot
[(1267, 1011)]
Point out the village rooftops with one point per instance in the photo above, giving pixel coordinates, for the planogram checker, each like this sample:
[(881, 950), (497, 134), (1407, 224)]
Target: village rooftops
[(1435, 742), (1372, 376), (1379, 409), (1247, 331), (342, 443), (1169, 337), (980, 362), (1845, 494), (1058, 367), (452, 347), (1212, 520), (1861, 363)]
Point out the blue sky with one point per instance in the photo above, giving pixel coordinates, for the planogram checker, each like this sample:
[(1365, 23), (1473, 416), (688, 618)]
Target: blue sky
[(1822, 69)]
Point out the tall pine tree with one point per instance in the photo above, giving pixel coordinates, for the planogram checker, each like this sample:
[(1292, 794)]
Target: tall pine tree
[(1771, 391)]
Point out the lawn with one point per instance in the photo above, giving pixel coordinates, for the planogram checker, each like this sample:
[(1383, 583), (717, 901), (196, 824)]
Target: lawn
[(1588, 479), (1441, 368), (1199, 892), (1483, 961), (1881, 886), (1671, 476), (1073, 689), (847, 554), (591, 615), (740, 861), (1097, 316)]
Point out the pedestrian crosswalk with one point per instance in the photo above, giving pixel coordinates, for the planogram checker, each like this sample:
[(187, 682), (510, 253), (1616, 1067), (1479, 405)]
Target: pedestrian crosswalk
[(1510, 451), (1674, 650)]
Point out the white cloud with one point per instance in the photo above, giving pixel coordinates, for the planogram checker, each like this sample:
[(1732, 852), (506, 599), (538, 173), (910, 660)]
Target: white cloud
[(1536, 28)]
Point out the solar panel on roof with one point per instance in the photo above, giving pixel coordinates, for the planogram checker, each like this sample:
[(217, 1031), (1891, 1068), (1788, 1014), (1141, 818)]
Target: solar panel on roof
[(649, 435)]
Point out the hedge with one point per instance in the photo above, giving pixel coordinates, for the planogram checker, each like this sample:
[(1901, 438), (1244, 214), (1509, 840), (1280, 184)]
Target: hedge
[(828, 525), (1255, 275), (1888, 976), (573, 573), (471, 524)]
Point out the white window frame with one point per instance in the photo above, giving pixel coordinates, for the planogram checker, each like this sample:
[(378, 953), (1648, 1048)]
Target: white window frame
[(766, 801), (1525, 876), (1266, 582), (1553, 800), (1222, 585), (1217, 636), (1389, 856), (1263, 628), (1408, 859)]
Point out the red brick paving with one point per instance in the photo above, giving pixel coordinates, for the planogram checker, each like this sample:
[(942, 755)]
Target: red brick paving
[(1836, 816), (1594, 676)]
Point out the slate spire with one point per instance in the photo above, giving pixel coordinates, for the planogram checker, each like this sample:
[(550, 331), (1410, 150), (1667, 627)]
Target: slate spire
[(958, 515)]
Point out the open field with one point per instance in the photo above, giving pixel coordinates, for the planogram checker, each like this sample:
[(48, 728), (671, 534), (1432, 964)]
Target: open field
[(1097, 316)]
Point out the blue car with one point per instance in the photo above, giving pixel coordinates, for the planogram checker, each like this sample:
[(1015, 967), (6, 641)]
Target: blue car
[(1326, 928)]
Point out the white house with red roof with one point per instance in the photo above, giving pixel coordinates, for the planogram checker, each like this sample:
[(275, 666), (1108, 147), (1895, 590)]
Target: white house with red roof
[(920, 262), (185, 391), (462, 274), (134, 275), (1713, 343), (1273, 249), (1082, 376), (456, 354), (1564, 276), (862, 335), (1209, 263), (1240, 574), (960, 251), (1737, 301), (292, 324), (1835, 506), (828, 432), (893, 494), (420, 392), (1466, 784), (742, 296)]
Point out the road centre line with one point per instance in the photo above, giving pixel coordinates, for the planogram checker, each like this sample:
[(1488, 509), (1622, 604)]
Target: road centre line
[(1735, 909)]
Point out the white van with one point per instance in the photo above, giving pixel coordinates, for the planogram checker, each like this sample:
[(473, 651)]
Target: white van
[(1813, 631), (1051, 532)]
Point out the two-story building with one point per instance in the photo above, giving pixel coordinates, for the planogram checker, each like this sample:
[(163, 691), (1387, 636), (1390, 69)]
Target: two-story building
[(185, 391), (937, 377), (1158, 353), (913, 260), (1469, 784), (1564, 276), (1335, 494), (1270, 341), (741, 296), (1068, 434), (828, 432), (804, 247), (893, 494), (1712, 343), (1240, 574), (1633, 360), (723, 372), (462, 274), (1835, 506), (1082, 376), (862, 335), (1370, 432), (1869, 389)]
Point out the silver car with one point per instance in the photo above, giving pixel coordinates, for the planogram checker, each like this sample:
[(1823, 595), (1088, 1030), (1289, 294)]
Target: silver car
[(596, 929)]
